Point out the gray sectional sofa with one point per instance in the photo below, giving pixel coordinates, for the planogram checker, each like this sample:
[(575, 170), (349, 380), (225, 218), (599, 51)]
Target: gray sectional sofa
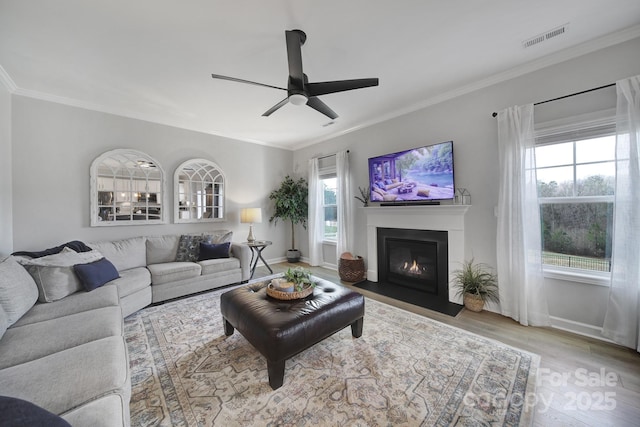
[(62, 347)]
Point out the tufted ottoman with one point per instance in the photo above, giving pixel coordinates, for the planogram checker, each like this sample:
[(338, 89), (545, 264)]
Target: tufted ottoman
[(281, 329)]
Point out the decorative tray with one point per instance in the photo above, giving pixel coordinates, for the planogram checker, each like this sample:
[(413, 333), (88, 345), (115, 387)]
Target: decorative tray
[(281, 295)]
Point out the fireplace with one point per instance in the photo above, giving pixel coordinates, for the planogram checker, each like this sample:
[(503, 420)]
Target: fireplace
[(415, 259)]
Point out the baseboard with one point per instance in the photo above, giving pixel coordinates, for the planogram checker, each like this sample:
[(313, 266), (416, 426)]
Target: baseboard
[(578, 328)]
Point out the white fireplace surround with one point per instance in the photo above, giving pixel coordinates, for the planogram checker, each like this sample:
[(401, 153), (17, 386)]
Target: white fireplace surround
[(448, 218)]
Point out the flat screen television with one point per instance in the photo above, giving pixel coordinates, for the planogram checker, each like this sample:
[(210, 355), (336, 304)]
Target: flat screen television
[(421, 174)]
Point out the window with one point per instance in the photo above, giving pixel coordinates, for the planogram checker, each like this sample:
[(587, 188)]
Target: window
[(576, 180), (330, 207)]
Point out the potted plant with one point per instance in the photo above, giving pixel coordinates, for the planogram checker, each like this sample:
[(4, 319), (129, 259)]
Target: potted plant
[(290, 202), (477, 284), (365, 194), (299, 277)]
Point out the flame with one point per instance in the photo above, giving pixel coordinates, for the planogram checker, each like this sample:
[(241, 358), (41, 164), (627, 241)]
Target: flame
[(413, 269)]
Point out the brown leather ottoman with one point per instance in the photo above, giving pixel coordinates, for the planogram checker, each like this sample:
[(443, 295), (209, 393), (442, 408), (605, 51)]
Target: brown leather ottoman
[(281, 329)]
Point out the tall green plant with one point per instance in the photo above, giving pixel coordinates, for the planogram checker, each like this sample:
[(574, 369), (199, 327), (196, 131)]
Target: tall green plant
[(290, 204)]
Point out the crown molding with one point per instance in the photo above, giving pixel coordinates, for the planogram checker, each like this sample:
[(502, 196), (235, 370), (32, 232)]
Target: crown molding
[(544, 62)]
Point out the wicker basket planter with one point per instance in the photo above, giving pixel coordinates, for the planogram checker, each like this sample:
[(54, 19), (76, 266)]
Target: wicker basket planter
[(275, 293), (473, 302), (351, 270)]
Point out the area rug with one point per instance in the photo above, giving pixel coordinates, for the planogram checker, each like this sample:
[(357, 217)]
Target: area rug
[(405, 370)]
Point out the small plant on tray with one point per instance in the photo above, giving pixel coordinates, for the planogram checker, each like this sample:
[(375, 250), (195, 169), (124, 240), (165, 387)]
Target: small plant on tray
[(299, 277)]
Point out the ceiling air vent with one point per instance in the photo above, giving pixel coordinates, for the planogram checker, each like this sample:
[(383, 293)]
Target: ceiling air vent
[(558, 31)]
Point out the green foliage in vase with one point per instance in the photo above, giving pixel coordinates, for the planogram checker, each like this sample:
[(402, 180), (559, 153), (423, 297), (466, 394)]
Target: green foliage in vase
[(477, 279), (290, 204), (299, 277), (365, 194)]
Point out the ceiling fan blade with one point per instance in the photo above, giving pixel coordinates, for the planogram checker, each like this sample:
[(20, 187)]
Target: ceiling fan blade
[(276, 107), (233, 79), (295, 40), (323, 88), (320, 106)]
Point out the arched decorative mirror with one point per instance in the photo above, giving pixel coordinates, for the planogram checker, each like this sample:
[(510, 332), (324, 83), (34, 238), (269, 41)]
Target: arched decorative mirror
[(198, 192), (126, 189)]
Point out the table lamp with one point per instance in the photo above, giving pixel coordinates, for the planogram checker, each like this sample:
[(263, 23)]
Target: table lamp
[(251, 216)]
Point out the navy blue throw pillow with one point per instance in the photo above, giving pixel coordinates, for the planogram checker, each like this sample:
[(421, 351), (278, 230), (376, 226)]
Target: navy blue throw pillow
[(17, 412), (95, 274), (214, 250)]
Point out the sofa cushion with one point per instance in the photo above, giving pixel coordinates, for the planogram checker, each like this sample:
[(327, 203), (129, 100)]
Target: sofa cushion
[(106, 296), (18, 291), (214, 250), (22, 344), (54, 274), (172, 271), (107, 411), (220, 236), (212, 266), (18, 412), (81, 374), (132, 281), (95, 274), (124, 254), (162, 249)]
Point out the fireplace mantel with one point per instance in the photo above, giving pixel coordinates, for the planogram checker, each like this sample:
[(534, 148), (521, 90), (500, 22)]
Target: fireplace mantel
[(448, 218)]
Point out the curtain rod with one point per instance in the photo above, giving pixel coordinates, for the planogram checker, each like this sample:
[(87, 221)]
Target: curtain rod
[(494, 114), (329, 155)]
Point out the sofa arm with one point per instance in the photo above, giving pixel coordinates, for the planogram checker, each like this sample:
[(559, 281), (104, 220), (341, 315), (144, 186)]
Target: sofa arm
[(243, 253)]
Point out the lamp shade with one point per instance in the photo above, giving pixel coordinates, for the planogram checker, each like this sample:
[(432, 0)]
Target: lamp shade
[(251, 215)]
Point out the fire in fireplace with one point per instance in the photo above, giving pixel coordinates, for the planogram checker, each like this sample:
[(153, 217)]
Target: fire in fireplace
[(413, 263), (416, 259)]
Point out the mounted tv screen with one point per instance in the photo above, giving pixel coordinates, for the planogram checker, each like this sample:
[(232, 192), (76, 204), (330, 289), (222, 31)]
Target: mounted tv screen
[(418, 175)]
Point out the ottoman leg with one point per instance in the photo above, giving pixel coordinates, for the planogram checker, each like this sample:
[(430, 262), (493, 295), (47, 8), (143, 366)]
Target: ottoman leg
[(356, 328), (276, 373), (228, 327)]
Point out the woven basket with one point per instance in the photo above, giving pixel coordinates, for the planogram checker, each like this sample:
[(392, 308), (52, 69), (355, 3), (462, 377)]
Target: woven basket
[(351, 270), (273, 292), (473, 302)]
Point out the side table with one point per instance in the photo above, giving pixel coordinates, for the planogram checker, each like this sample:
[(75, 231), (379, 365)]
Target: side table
[(257, 247)]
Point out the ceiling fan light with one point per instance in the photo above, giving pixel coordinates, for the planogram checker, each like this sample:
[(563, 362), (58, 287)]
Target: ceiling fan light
[(298, 99)]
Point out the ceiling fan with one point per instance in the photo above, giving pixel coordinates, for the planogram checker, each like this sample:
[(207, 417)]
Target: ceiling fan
[(299, 90)]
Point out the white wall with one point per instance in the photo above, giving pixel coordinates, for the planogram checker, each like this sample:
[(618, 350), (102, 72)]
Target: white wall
[(6, 231), (54, 145), (467, 121)]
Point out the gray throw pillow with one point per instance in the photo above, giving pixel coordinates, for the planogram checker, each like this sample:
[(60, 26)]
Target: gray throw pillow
[(223, 236), (54, 274), (18, 291)]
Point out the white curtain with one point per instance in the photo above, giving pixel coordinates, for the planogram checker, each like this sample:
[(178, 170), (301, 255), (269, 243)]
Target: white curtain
[(519, 247), (316, 214), (622, 319), (344, 202)]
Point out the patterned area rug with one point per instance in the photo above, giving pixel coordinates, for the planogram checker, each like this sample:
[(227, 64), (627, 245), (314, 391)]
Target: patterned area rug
[(405, 370)]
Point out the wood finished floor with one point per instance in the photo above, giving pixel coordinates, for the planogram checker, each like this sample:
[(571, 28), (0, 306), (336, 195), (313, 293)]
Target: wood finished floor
[(572, 389)]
